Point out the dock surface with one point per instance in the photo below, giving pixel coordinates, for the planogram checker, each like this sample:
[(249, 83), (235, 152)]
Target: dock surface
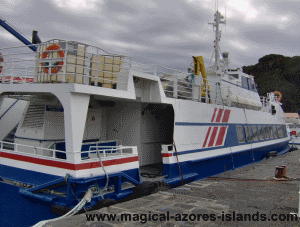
[(228, 199)]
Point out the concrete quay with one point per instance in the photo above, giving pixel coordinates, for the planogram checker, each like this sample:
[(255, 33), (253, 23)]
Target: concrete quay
[(248, 196)]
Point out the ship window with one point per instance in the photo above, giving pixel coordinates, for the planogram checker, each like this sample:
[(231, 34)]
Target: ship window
[(261, 132), (251, 84), (271, 131), (266, 132), (275, 132), (284, 130), (255, 133), (249, 136), (244, 82), (236, 76), (240, 134), (280, 131)]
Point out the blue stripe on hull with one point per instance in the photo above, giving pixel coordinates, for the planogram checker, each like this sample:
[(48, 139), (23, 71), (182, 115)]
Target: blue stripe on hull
[(202, 168)]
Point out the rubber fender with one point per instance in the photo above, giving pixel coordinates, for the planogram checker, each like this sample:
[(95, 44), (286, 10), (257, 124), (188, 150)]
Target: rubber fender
[(272, 154), (148, 187), (293, 149), (104, 203), (60, 210)]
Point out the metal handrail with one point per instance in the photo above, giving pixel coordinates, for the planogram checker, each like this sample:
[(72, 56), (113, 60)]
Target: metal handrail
[(32, 150)]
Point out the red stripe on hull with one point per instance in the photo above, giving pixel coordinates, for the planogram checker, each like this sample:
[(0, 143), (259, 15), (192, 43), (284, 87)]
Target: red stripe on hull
[(64, 165), (226, 116), (213, 136), (221, 136), (165, 155), (213, 117), (206, 137), (219, 115)]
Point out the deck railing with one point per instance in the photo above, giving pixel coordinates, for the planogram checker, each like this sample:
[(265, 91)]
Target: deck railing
[(265, 101), (59, 61), (109, 151), (105, 152)]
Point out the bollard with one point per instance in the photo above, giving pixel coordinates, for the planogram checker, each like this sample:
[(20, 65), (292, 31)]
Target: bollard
[(279, 172), (284, 171)]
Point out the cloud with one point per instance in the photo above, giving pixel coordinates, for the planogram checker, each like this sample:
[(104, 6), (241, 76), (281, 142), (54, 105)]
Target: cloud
[(8, 5), (7, 37), (165, 32), (79, 6), (123, 45)]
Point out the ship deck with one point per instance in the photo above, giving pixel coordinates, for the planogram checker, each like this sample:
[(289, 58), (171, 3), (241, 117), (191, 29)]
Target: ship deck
[(247, 190)]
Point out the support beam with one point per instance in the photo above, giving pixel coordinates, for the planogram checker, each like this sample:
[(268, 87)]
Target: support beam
[(75, 113)]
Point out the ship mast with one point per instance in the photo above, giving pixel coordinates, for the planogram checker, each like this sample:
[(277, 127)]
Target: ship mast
[(218, 19)]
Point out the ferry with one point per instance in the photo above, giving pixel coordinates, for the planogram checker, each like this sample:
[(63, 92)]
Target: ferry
[(293, 124), (97, 125)]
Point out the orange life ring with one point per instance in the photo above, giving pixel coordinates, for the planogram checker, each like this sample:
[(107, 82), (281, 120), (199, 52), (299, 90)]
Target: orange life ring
[(1, 64), (279, 95), (57, 65)]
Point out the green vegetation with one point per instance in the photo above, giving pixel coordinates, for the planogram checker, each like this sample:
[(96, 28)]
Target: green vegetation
[(278, 73)]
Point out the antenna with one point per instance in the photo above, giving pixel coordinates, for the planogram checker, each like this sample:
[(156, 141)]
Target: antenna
[(218, 19), (216, 5), (225, 15)]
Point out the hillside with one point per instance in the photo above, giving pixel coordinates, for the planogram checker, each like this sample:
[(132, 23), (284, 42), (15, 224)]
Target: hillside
[(278, 73)]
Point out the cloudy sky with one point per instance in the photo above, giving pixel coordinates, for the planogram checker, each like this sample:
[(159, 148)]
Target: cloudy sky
[(164, 32)]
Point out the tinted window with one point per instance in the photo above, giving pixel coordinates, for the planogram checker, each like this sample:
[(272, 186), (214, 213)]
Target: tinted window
[(248, 133), (261, 132), (251, 84), (271, 132), (275, 132), (236, 76), (266, 132), (255, 133), (240, 134), (284, 130), (280, 131), (244, 82)]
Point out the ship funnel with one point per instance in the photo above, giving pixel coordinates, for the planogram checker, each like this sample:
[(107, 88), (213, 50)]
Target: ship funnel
[(35, 38)]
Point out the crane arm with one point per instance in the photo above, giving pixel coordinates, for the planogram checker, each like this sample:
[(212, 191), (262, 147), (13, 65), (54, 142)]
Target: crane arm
[(200, 67), (17, 34)]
